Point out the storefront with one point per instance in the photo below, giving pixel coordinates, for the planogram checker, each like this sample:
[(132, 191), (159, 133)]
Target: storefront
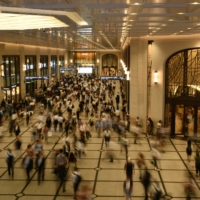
[(30, 70), (182, 92), (54, 66), (43, 69), (11, 77)]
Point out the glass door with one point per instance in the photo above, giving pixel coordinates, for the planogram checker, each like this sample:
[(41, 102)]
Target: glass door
[(184, 120)]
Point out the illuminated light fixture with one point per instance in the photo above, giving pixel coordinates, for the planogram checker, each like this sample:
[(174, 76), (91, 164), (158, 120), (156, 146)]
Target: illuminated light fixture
[(51, 64), (71, 60), (59, 62), (40, 65), (65, 62), (2, 70), (24, 68), (72, 15), (155, 77), (10, 21), (97, 60)]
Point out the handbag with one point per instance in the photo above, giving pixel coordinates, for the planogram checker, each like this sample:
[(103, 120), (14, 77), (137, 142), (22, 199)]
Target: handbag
[(49, 134)]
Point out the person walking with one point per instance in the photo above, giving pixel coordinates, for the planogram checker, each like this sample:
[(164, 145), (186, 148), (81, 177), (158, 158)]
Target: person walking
[(45, 134), (149, 126), (129, 169), (146, 182), (76, 180), (10, 162), (18, 144), (61, 169), (40, 166), (128, 187), (17, 129), (99, 126), (197, 163), (117, 98), (28, 161), (72, 161), (189, 150), (107, 136)]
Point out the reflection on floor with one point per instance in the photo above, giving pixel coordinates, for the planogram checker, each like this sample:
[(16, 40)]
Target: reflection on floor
[(103, 177)]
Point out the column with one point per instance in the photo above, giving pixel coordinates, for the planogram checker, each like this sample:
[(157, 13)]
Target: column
[(138, 80), (22, 71)]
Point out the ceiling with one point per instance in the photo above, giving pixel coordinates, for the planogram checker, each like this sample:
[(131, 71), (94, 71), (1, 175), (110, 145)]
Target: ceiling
[(110, 22)]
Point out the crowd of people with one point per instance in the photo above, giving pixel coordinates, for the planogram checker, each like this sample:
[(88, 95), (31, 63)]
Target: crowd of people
[(95, 108)]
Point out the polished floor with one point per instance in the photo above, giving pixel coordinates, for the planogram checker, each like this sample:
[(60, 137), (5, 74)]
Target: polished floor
[(103, 177)]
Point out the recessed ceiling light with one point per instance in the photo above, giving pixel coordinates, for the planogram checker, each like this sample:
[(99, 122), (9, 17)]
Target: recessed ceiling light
[(171, 20), (164, 25), (195, 3), (158, 28), (181, 13), (181, 31), (189, 28)]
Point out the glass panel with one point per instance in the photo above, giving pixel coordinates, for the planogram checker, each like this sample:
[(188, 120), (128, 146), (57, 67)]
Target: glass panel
[(179, 118), (189, 120), (184, 120), (167, 115)]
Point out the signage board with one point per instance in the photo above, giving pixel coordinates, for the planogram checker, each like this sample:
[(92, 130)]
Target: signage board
[(113, 78), (33, 78), (67, 69)]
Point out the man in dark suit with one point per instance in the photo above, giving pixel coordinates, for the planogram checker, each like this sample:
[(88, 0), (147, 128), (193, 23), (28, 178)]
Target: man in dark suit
[(117, 98), (17, 129), (40, 166)]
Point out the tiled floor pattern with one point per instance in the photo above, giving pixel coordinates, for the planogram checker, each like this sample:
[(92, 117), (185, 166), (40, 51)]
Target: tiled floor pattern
[(103, 177)]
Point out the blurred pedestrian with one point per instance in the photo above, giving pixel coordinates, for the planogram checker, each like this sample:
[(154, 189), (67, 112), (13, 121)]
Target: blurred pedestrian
[(128, 187), (10, 162), (189, 150), (129, 169), (76, 180), (155, 191), (197, 163), (146, 182), (40, 166)]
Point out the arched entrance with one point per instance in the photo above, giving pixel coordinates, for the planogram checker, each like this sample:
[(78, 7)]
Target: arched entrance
[(182, 92)]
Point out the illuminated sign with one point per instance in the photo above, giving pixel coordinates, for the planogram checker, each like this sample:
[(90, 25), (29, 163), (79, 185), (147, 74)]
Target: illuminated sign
[(33, 78), (113, 78), (67, 69)]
